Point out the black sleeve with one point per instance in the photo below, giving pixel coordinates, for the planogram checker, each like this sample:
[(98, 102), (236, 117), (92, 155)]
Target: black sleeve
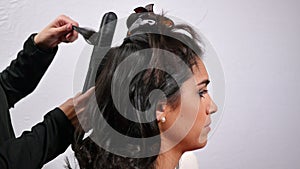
[(43, 143), (24, 73)]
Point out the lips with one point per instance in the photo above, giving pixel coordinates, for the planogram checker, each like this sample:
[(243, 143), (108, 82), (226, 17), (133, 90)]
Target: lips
[(207, 125)]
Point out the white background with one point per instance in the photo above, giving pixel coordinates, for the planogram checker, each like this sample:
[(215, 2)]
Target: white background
[(258, 46)]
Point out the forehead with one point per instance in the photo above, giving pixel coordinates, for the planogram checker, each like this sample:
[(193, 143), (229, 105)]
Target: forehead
[(199, 71)]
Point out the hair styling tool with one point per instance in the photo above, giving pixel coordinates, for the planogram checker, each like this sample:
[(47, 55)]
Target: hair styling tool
[(102, 43)]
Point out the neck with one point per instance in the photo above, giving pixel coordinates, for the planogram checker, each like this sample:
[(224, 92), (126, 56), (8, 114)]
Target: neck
[(168, 160)]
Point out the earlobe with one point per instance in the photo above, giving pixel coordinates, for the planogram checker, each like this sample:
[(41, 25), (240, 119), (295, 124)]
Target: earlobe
[(159, 115), (161, 112), (163, 119)]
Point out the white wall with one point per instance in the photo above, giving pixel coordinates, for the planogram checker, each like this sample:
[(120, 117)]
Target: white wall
[(256, 41)]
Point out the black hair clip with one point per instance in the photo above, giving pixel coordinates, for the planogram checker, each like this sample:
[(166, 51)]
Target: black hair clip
[(144, 16), (147, 8)]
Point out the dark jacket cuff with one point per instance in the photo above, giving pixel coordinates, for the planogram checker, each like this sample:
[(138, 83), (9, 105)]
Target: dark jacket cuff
[(30, 44), (66, 129)]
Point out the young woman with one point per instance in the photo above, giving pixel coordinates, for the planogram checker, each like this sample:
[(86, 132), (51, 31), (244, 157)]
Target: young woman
[(152, 98)]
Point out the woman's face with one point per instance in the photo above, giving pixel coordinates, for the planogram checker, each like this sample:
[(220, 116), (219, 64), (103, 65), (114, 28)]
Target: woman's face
[(189, 121)]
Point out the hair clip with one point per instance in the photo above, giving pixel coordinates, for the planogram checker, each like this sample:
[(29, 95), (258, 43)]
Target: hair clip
[(147, 8), (141, 22), (145, 16)]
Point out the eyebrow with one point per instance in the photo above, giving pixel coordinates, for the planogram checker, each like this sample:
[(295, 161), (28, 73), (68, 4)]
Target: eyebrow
[(206, 82)]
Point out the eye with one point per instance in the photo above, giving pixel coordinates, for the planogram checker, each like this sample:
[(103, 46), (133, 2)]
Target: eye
[(202, 93)]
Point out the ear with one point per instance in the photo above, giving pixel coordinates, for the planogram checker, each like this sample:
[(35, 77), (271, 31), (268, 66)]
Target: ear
[(160, 110)]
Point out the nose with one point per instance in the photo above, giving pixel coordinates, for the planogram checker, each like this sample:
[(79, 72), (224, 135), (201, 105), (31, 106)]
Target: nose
[(213, 107)]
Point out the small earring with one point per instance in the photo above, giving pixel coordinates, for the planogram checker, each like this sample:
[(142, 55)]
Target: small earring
[(163, 119)]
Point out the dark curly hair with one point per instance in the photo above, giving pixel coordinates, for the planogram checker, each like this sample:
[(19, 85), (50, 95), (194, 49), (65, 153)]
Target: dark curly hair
[(151, 44)]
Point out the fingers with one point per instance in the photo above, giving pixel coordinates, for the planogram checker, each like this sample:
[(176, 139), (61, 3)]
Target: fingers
[(78, 94), (89, 92), (82, 103), (80, 100), (63, 29), (60, 30), (63, 20)]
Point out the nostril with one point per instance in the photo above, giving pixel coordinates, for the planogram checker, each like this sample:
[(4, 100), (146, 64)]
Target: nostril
[(213, 108)]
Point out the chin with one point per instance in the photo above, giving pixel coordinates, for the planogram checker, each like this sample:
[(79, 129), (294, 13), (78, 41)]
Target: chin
[(203, 144), (199, 145)]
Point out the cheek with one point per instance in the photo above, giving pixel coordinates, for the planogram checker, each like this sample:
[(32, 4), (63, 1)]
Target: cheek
[(198, 130), (182, 120), (193, 114), (201, 116), (190, 108)]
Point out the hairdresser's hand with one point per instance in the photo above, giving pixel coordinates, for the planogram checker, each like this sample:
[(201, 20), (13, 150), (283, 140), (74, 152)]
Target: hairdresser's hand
[(60, 30), (76, 106)]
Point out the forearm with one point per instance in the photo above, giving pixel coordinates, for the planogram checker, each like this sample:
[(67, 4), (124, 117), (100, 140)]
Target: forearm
[(24, 73), (43, 143)]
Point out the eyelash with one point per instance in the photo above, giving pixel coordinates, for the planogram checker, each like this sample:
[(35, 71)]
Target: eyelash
[(203, 92)]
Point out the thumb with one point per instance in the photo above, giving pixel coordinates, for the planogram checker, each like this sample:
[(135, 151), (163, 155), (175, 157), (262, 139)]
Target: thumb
[(63, 30)]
